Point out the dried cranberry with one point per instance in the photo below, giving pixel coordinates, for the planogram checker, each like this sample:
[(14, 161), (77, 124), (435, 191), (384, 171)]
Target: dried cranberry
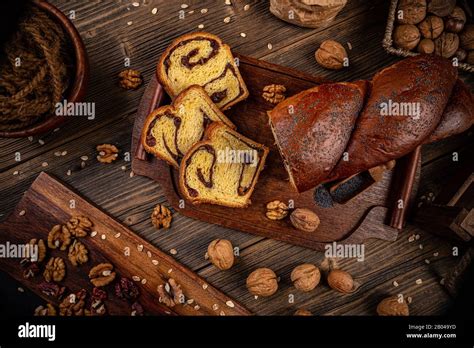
[(99, 294), (52, 289), (126, 289), (137, 309)]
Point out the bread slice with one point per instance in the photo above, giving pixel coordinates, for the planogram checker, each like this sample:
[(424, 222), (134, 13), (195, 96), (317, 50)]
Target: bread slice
[(223, 169), (171, 130), (202, 59)]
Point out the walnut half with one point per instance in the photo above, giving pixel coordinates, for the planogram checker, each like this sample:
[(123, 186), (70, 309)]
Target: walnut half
[(55, 270), (107, 153), (161, 217), (274, 93), (59, 237), (78, 253), (171, 293), (73, 305), (102, 274), (79, 226)]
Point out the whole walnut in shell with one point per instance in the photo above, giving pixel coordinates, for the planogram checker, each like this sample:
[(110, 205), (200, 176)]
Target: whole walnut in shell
[(221, 253), (305, 277), (262, 282), (406, 36), (441, 8), (411, 11), (446, 45), (331, 55), (393, 306), (341, 281), (304, 219), (467, 37), (426, 46), (431, 27)]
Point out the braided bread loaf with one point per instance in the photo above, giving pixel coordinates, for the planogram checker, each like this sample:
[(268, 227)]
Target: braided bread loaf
[(333, 131), (202, 59)]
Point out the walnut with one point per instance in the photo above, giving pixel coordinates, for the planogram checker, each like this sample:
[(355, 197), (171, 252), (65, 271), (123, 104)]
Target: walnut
[(77, 253), (55, 270), (48, 311), (59, 237), (406, 36), (331, 55), (262, 282), (341, 281), (441, 8), (130, 79), (102, 274), (79, 226), (73, 304), (30, 269), (161, 217), (171, 293), (274, 93), (107, 153), (304, 219), (125, 289), (276, 210), (431, 27), (456, 20), (221, 253), (39, 243), (393, 306), (446, 45), (411, 11), (305, 277), (467, 37), (426, 46), (303, 312)]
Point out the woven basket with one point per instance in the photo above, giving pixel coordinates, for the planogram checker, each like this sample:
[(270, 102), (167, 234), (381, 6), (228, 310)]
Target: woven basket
[(388, 41)]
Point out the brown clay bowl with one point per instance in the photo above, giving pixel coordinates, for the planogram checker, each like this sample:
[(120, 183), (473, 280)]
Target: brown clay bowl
[(76, 90)]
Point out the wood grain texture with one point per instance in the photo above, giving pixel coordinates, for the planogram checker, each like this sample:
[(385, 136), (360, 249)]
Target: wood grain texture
[(108, 40), (48, 203)]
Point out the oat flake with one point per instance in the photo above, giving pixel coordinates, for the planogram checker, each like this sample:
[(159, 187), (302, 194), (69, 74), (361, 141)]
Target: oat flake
[(184, 5), (196, 307), (22, 212), (140, 247), (204, 10), (270, 46), (230, 304), (246, 7), (154, 11), (395, 283), (155, 262), (136, 278), (144, 281), (103, 237), (117, 235), (93, 233), (204, 286), (173, 252), (418, 281), (243, 34), (201, 26)]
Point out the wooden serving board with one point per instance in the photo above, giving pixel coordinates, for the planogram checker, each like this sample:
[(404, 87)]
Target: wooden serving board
[(48, 202), (250, 117)]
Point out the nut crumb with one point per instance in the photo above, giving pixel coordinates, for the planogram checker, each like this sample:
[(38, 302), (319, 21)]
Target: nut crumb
[(419, 281), (215, 306)]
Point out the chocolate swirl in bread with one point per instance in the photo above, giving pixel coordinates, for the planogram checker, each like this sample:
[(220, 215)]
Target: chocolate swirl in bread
[(202, 59), (170, 131), (208, 175), (343, 129)]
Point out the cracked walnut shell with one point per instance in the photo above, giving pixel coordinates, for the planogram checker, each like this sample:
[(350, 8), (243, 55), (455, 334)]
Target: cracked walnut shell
[(102, 274), (161, 217), (77, 253), (73, 304), (130, 79), (331, 55), (221, 253), (59, 237), (305, 277), (276, 210), (262, 282), (79, 226), (107, 153), (274, 93), (39, 243), (55, 270)]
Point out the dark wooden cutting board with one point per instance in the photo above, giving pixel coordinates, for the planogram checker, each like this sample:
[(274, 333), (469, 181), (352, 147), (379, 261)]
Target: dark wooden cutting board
[(250, 116), (48, 202)]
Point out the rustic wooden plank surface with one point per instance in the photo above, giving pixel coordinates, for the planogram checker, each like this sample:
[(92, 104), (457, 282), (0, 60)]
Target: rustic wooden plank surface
[(109, 39)]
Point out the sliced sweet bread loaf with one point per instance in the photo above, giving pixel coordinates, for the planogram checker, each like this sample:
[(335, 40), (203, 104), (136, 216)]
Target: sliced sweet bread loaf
[(202, 59), (222, 169), (171, 130)]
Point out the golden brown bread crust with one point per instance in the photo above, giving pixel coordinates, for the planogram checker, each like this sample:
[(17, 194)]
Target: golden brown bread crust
[(313, 131), (458, 115), (424, 79), (161, 73), (171, 108), (207, 140)]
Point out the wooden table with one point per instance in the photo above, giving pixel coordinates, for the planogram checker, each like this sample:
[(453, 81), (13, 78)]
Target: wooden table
[(115, 30)]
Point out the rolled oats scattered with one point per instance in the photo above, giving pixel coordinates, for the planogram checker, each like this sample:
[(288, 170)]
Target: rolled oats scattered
[(64, 153), (148, 253), (154, 11), (246, 7), (228, 2), (155, 262), (184, 5), (435, 254), (170, 270), (227, 20), (417, 236), (68, 173), (84, 158), (411, 238), (93, 233), (230, 304), (427, 261), (41, 141), (243, 34), (441, 281), (191, 12), (22, 212), (256, 297), (173, 251), (103, 236), (190, 301), (132, 174), (201, 26), (129, 22), (349, 45), (136, 278), (44, 164), (143, 281), (140, 247), (83, 164), (395, 283), (15, 172), (204, 286), (270, 46), (196, 307), (409, 299), (57, 153), (135, 4), (20, 289), (419, 281), (117, 235), (215, 306), (123, 167), (420, 246), (204, 10), (222, 313), (30, 138)]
